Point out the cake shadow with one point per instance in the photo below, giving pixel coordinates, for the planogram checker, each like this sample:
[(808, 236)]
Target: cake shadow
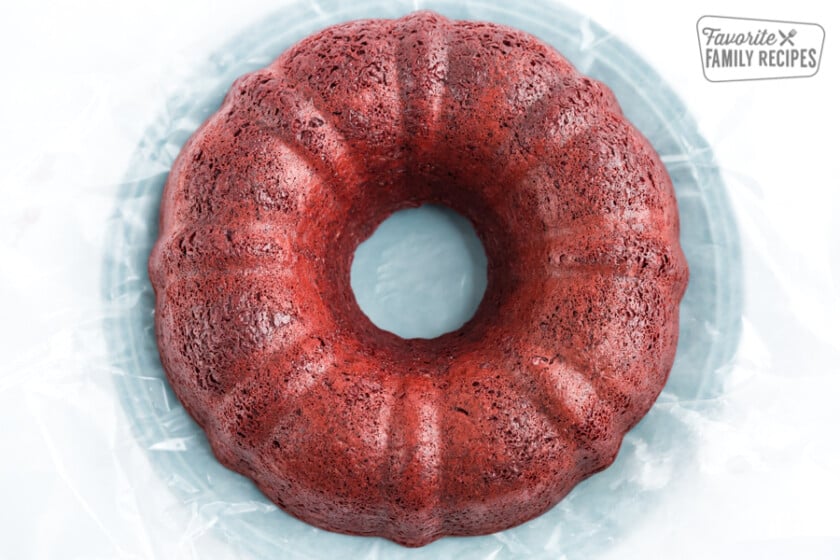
[(656, 455)]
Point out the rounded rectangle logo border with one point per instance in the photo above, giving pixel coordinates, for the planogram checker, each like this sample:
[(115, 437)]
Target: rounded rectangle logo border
[(766, 21)]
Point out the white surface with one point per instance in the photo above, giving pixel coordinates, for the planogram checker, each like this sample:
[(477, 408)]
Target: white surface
[(82, 81)]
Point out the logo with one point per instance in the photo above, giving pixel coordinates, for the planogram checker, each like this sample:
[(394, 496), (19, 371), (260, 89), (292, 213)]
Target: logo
[(734, 49)]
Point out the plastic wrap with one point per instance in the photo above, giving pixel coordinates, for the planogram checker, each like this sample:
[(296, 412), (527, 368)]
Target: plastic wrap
[(598, 509), (117, 389)]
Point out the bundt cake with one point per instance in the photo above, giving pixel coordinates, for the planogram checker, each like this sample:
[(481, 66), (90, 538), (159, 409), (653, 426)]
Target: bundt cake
[(352, 428)]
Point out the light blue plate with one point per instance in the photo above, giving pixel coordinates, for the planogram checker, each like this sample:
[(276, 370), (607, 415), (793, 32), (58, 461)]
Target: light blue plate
[(601, 510), (421, 274)]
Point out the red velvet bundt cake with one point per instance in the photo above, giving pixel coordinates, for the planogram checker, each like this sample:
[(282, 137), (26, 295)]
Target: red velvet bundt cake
[(354, 429)]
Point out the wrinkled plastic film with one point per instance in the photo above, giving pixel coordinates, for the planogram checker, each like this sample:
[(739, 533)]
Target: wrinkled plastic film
[(208, 503)]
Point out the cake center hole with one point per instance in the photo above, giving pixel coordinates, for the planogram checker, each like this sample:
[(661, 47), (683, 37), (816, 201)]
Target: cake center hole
[(421, 274)]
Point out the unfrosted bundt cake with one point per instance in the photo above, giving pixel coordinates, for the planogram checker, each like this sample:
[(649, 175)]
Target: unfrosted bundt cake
[(354, 429)]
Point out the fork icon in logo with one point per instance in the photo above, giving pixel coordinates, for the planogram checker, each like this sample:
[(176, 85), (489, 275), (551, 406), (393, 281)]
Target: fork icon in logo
[(787, 38)]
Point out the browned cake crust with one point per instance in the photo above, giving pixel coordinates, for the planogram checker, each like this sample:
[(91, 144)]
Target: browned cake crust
[(354, 429)]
